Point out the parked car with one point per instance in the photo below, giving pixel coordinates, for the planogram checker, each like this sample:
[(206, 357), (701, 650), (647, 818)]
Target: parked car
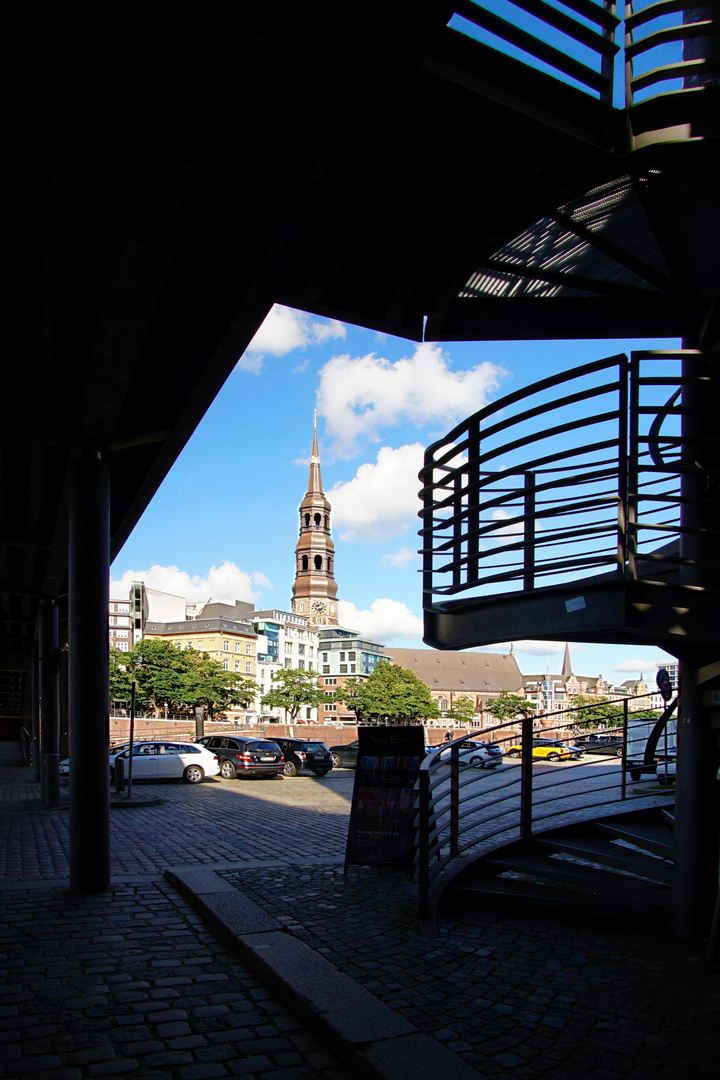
[(478, 754), (345, 757), (547, 750), (245, 755), (663, 767), (167, 760), (609, 745), (299, 754), (65, 763)]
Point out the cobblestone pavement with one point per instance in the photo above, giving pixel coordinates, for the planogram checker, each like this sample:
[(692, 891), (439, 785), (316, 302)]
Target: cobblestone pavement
[(132, 984)]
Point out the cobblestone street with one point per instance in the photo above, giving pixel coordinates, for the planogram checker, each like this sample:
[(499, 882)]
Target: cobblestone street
[(133, 983)]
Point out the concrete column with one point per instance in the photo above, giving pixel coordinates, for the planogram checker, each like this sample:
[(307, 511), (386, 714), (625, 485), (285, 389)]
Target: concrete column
[(696, 817), (49, 714), (88, 577), (35, 707)]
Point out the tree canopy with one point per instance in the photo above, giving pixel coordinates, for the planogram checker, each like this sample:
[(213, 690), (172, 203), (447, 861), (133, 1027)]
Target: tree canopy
[(463, 708), (593, 711), (391, 695), (180, 679), (509, 706), (293, 688)]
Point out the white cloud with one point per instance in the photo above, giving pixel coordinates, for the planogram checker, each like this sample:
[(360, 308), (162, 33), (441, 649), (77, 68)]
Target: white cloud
[(225, 583), (284, 330), (358, 396), (385, 620), (642, 665), (400, 558), (382, 498), (539, 648)]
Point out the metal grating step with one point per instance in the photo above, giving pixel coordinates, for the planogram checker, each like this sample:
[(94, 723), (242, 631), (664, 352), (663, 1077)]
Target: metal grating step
[(597, 850)]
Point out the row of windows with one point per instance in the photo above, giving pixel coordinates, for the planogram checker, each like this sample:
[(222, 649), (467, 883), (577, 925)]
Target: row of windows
[(343, 669), (248, 666), (350, 656), (317, 563)]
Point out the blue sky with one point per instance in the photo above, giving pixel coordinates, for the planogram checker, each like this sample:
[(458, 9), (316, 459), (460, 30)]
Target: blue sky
[(224, 523)]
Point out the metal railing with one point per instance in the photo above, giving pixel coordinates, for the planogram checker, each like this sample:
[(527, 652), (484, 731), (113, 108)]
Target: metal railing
[(573, 41), (463, 811), (669, 47), (575, 476)]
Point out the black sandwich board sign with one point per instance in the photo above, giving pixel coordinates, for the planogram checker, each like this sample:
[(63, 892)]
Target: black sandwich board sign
[(381, 828)]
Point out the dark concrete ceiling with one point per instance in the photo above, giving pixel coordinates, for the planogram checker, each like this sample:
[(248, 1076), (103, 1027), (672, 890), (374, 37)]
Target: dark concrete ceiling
[(186, 165)]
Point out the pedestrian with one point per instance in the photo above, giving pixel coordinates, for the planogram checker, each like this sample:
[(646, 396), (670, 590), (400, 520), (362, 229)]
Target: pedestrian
[(448, 736)]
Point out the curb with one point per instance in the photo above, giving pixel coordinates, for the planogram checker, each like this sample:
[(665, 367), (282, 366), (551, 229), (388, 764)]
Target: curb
[(365, 1034)]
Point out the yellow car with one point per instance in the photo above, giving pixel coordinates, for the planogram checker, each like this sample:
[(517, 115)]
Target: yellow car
[(546, 750)]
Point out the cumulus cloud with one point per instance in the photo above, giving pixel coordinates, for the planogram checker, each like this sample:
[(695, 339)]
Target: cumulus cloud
[(359, 396), (384, 621), (284, 330), (223, 584), (643, 665), (382, 498), (400, 558)]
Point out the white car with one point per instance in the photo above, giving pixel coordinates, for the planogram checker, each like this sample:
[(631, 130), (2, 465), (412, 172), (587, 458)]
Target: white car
[(64, 766), (477, 754), (166, 761)]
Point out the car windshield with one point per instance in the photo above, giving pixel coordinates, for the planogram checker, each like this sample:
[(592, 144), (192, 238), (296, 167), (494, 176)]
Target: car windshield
[(313, 746), (269, 747)]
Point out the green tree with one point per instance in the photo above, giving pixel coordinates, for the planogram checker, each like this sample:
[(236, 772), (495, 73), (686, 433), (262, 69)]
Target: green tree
[(590, 712), (351, 694), (509, 706), (391, 695), (158, 669), (120, 676), (293, 688), (207, 683), (463, 708)]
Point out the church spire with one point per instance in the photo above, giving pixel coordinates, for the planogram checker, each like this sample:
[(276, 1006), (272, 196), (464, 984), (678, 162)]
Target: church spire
[(567, 666), (315, 481)]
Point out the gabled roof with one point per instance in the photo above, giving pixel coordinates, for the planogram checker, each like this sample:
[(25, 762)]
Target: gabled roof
[(478, 673)]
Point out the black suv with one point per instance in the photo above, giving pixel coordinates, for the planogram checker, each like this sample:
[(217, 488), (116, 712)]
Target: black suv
[(302, 754), (245, 756)]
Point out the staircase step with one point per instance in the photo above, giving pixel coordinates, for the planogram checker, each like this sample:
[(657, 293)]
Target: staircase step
[(573, 873), (653, 836), (597, 850), (559, 900)]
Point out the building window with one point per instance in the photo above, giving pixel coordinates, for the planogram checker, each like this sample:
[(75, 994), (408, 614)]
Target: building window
[(351, 656), (288, 662), (324, 656), (308, 714), (237, 646), (352, 669), (301, 665), (331, 682), (301, 605), (226, 646), (301, 650), (188, 645), (342, 655), (178, 645), (248, 649), (330, 708), (237, 665), (288, 648), (226, 665), (121, 633), (123, 646), (248, 667), (326, 669), (310, 665), (343, 669), (443, 705)]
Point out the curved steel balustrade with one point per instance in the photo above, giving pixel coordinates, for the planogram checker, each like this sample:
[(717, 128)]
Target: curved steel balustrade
[(465, 813), (567, 489)]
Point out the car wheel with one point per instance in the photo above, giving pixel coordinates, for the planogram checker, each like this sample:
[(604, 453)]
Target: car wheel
[(619, 751), (514, 753), (321, 772), (336, 761), (193, 774), (635, 774), (477, 763), (290, 769), (227, 770), (553, 757)]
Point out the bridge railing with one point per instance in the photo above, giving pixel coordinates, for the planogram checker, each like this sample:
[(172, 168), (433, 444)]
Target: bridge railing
[(575, 476), (463, 810)]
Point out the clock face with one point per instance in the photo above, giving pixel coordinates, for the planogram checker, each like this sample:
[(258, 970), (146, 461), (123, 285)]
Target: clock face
[(318, 606)]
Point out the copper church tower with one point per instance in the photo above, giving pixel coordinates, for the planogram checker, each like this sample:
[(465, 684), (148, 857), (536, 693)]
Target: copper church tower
[(314, 589)]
